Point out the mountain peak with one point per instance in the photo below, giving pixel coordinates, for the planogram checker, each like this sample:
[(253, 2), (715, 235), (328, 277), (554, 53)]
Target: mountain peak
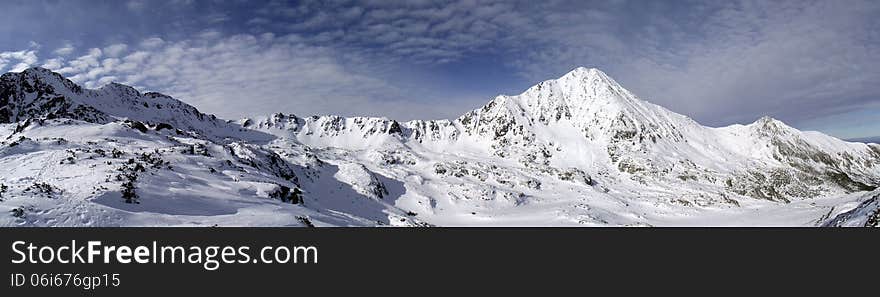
[(579, 87), (581, 71), (769, 125), (583, 76), (38, 72), (120, 89), (44, 76), (768, 120)]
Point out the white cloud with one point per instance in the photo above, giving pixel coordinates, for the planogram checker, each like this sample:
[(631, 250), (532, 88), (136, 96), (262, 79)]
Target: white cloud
[(106, 80), (83, 63), (53, 64), (20, 60), (115, 50), (210, 34), (65, 50), (152, 42)]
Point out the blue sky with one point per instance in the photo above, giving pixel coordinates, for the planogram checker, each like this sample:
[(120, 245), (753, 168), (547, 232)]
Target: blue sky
[(812, 64)]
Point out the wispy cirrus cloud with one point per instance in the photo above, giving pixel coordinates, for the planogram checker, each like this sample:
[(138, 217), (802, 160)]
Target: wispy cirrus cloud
[(793, 60), (242, 75), (416, 31)]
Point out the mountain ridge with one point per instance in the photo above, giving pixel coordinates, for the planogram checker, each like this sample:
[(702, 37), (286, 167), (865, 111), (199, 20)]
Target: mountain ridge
[(39, 94), (576, 150), (874, 140)]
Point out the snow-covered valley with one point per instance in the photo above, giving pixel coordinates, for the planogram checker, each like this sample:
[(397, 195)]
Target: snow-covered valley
[(579, 150)]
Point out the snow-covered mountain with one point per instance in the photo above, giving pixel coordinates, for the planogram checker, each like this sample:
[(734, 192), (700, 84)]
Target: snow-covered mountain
[(40, 94), (577, 150)]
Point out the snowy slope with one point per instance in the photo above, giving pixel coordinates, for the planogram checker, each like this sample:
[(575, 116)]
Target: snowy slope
[(579, 150), (67, 154), (866, 214)]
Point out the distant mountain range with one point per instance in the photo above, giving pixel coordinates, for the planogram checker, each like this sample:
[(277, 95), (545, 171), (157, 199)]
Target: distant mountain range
[(875, 139), (579, 150)]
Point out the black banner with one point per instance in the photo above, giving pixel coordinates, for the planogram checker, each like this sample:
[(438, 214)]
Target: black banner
[(418, 261)]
